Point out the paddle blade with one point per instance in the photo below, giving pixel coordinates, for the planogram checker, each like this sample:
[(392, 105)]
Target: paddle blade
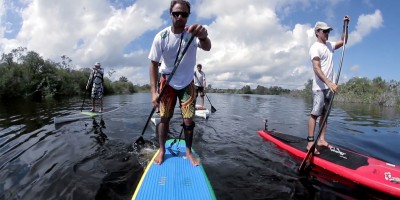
[(305, 166), (213, 110), (140, 141)]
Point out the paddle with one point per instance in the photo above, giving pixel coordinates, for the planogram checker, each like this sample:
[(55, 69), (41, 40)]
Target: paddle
[(84, 96), (140, 140), (306, 163), (213, 110)]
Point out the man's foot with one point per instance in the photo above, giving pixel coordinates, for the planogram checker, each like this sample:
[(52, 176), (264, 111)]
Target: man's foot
[(160, 158), (192, 158), (101, 110), (91, 110), (316, 152), (200, 108), (323, 143)]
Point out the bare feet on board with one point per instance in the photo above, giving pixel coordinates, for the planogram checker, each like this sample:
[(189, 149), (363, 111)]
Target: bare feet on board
[(323, 144), (316, 152), (192, 159), (159, 158)]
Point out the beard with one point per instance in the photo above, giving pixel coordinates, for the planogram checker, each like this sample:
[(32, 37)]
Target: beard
[(179, 24)]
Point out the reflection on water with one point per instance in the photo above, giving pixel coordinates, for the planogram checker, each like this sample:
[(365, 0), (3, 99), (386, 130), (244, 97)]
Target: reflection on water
[(98, 131), (90, 158)]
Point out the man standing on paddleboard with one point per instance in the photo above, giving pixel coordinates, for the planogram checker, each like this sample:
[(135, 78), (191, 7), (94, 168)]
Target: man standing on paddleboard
[(321, 54), (200, 83), (96, 79), (168, 44)]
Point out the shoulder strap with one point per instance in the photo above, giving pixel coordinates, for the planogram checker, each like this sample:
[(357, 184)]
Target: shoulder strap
[(179, 49)]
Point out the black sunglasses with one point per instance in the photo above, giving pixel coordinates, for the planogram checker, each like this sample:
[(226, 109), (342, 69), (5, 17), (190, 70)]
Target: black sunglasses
[(326, 31), (182, 14)]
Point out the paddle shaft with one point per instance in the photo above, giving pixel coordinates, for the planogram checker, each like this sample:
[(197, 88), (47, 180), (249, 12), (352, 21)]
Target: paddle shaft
[(212, 107), (178, 61), (307, 160), (84, 95)]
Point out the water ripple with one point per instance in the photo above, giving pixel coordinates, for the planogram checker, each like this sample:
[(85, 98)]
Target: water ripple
[(82, 160)]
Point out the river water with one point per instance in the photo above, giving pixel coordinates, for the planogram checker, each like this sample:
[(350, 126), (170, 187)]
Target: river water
[(86, 160)]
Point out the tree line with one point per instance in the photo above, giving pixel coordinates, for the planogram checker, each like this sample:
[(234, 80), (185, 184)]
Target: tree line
[(261, 90), (362, 90), (356, 90), (25, 74)]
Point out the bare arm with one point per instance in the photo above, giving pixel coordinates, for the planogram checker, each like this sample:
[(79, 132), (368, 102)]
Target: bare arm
[(345, 34), (317, 69), (205, 44)]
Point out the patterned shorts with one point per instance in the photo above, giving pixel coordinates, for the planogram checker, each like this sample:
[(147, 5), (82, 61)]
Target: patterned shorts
[(97, 91), (187, 100)]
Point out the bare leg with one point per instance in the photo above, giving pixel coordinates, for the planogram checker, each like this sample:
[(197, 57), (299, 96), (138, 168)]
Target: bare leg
[(93, 104), (202, 101), (311, 129), (101, 104), (197, 95), (189, 140), (322, 141), (162, 131)]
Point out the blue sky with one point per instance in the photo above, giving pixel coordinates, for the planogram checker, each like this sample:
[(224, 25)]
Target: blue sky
[(254, 42)]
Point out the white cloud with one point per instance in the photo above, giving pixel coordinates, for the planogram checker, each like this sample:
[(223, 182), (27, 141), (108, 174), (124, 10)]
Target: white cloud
[(250, 46), (250, 43), (355, 68), (365, 24)]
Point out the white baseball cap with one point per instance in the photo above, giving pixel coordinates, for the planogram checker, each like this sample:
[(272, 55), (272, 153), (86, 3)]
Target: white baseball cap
[(97, 64), (322, 25)]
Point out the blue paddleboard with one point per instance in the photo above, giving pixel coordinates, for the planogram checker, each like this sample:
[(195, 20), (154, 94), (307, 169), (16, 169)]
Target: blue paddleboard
[(176, 178)]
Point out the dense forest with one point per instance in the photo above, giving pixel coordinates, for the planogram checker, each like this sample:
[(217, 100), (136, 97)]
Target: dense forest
[(25, 74), (362, 90), (356, 90)]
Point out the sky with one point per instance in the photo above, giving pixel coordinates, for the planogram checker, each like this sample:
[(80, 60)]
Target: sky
[(254, 42)]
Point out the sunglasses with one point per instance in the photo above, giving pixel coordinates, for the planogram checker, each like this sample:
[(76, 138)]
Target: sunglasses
[(182, 14), (326, 31)]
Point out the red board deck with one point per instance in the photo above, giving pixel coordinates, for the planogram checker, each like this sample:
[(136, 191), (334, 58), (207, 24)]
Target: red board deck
[(364, 170)]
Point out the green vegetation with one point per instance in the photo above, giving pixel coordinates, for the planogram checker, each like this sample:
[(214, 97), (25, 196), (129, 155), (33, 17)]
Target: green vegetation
[(25, 74), (357, 90), (362, 90), (273, 90)]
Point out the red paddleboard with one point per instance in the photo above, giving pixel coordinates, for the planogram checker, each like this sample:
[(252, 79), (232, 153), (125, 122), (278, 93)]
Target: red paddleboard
[(364, 170)]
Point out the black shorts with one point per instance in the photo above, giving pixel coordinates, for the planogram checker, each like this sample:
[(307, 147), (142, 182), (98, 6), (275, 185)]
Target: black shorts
[(199, 89)]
